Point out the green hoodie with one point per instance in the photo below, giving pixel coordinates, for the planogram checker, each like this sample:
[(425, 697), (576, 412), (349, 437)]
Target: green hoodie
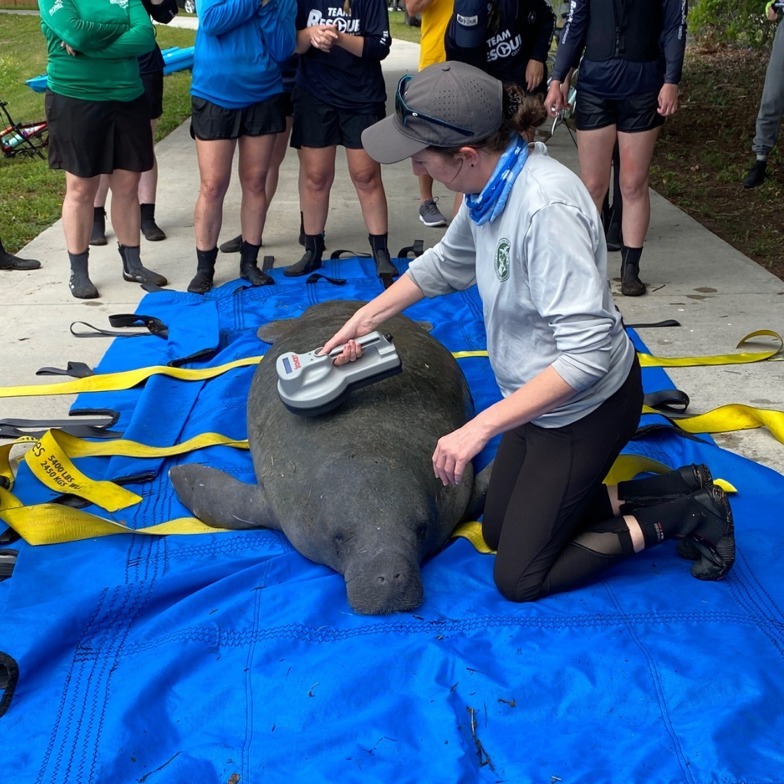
[(104, 67)]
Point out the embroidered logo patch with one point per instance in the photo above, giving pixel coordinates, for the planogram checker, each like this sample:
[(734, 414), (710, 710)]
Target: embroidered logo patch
[(502, 259)]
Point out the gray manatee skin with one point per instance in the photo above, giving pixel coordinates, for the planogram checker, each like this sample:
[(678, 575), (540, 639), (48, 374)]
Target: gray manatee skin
[(353, 489)]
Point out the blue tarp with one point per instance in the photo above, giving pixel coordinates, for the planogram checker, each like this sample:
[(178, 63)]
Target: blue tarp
[(228, 657)]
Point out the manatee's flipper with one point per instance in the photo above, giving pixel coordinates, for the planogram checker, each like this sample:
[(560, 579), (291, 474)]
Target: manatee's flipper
[(220, 500), (476, 504)]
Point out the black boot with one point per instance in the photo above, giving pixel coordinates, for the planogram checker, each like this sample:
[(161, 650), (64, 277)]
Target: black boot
[(378, 245), (205, 271), (311, 260), (98, 234), (756, 174), (151, 230), (10, 262), (134, 271), (234, 245), (705, 519), (631, 285), (663, 487), (249, 269), (80, 284)]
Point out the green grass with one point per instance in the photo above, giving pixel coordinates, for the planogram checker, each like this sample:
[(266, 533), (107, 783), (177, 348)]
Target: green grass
[(30, 193)]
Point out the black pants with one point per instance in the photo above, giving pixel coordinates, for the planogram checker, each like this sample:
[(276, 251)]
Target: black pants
[(546, 489)]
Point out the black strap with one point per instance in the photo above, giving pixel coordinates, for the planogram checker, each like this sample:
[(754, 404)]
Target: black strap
[(317, 276), (665, 323), (9, 676), (417, 249), (7, 563), (672, 401), (337, 254), (152, 324), (73, 369), (84, 428)]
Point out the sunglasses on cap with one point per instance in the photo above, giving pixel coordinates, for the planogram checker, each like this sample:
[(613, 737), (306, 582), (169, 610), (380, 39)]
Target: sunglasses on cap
[(405, 112)]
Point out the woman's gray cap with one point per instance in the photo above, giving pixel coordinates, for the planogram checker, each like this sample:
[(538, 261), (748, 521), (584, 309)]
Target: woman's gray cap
[(453, 92)]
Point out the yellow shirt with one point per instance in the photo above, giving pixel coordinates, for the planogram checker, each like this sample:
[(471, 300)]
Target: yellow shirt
[(435, 19)]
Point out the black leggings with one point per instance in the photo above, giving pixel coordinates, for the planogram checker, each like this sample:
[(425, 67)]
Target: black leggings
[(546, 489)]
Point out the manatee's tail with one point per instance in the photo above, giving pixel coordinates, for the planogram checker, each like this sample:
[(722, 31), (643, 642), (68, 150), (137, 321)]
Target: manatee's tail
[(476, 504), (220, 500)]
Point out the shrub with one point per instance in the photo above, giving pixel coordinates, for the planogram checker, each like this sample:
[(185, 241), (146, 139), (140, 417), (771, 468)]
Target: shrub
[(731, 23)]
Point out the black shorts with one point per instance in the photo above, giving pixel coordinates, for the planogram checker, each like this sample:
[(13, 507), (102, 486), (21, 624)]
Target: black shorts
[(319, 125), (630, 115), (210, 122), (88, 138), (153, 90)]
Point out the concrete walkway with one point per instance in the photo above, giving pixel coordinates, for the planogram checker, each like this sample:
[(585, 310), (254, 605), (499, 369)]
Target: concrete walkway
[(717, 294)]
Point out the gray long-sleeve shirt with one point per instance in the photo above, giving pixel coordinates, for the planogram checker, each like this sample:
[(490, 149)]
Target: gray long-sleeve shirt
[(541, 271)]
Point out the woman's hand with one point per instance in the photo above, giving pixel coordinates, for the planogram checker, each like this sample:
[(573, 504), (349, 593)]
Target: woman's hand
[(322, 37), (534, 72), (455, 450), (554, 101), (668, 100), (357, 326)]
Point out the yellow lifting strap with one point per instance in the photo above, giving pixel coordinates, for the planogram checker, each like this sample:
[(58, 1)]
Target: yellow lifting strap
[(125, 379), (54, 523), (128, 379)]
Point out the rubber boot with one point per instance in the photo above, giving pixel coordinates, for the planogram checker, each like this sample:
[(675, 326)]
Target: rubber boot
[(205, 271), (234, 245), (98, 233), (151, 230), (378, 245), (663, 487), (10, 262), (311, 260), (705, 519), (134, 271), (249, 269), (80, 284), (631, 285), (301, 239)]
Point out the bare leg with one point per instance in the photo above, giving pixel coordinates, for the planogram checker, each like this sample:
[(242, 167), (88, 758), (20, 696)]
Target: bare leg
[(366, 177), (594, 152), (214, 160)]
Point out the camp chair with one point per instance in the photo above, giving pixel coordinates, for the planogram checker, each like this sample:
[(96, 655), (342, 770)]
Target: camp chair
[(23, 138)]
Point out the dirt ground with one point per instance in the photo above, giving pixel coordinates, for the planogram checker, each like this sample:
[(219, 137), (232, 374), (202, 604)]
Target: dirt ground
[(704, 151)]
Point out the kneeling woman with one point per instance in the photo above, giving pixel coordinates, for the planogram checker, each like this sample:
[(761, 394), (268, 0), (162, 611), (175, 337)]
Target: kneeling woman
[(529, 236)]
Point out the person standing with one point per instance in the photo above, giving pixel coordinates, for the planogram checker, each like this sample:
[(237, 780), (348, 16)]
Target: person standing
[(771, 108), (151, 70), (98, 123), (238, 102), (339, 92), (530, 238), (632, 58), (509, 39), (435, 16)]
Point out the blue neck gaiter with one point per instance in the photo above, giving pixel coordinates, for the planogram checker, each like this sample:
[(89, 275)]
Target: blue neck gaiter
[(489, 204)]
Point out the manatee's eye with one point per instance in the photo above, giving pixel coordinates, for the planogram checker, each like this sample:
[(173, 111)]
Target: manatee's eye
[(339, 540), (421, 532)]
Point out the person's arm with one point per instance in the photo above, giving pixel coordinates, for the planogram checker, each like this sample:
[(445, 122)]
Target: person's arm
[(414, 7), (545, 25), (139, 39), (673, 39), (277, 24), (573, 37), (217, 17), (544, 392), (375, 40), (63, 20), (402, 293)]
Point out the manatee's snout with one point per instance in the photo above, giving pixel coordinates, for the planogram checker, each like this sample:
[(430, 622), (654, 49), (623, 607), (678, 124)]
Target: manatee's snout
[(387, 583)]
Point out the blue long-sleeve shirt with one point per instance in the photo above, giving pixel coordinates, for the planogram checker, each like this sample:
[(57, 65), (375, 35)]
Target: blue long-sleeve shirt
[(338, 77), (240, 46)]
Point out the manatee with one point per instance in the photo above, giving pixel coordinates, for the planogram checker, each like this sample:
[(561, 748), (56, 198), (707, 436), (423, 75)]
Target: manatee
[(353, 489)]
